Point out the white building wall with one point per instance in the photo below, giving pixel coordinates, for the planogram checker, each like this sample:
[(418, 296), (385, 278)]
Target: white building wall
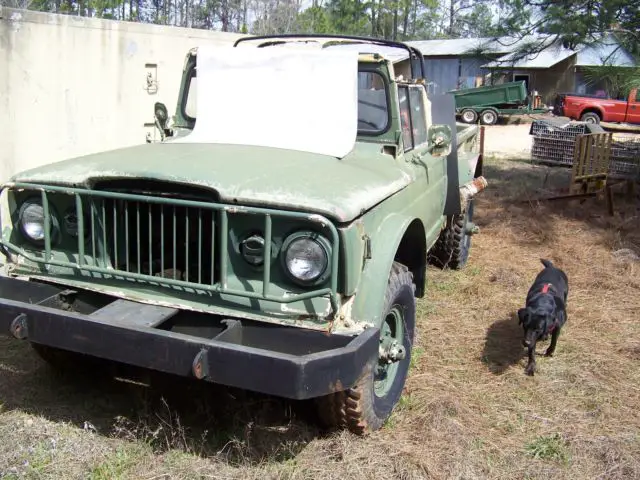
[(71, 86)]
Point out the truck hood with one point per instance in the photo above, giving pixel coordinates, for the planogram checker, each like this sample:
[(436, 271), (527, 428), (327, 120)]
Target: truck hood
[(338, 188)]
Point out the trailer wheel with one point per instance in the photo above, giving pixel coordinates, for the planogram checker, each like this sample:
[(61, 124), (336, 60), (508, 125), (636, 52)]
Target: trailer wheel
[(489, 117), (469, 116)]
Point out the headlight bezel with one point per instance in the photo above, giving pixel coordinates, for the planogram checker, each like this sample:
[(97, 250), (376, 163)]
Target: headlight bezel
[(321, 241), (54, 223)]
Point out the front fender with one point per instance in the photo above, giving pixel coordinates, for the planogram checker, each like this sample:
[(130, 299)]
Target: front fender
[(369, 299)]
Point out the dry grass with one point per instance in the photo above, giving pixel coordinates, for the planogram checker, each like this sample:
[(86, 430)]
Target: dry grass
[(468, 411)]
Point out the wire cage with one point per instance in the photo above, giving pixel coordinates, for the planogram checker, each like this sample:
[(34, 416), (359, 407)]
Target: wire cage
[(554, 142)]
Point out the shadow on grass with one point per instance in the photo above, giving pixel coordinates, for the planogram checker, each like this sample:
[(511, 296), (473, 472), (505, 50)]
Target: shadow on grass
[(174, 413), (503, 345)]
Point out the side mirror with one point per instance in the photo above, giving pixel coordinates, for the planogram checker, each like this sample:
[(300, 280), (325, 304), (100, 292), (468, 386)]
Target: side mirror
[(161, 117), (439, 140)]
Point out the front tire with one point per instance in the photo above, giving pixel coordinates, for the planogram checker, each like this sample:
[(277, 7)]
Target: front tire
[(365, 407)]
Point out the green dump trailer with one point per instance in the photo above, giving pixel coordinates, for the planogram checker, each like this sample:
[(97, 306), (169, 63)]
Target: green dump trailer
[(490, 102)]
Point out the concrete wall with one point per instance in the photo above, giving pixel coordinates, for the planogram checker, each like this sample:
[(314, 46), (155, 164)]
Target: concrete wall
[(71, 86)]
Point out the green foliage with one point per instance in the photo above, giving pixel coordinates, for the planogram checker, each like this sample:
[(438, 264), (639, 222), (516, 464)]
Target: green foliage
[(572, 23), (616, 81), (391, 19)]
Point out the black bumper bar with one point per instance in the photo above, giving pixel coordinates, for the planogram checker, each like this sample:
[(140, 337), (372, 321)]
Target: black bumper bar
[(272, 359)]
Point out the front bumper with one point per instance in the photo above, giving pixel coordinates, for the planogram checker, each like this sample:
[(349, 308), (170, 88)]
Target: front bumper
[(272, 359)]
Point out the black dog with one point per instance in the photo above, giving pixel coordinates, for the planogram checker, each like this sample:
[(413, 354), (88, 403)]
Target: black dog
[(545, 311)]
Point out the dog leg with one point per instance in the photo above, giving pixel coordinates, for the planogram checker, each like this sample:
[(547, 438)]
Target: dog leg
[(554, 340), (531, 366)]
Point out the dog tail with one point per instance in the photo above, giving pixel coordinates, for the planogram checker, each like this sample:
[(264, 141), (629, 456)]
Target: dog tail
[(546, 263)]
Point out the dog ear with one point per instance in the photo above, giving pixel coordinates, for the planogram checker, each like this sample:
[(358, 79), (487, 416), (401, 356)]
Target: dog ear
[(523, 313)]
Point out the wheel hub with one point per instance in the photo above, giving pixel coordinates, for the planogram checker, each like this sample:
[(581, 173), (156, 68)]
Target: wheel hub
[(391, 350)]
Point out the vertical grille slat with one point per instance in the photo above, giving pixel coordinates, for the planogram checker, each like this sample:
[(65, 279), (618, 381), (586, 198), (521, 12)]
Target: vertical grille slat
[(266, 278), (186, 246), (138, 237), (115, 234), (162, 240), (174, 242), (94, 213), (150, 240), (103, 249), (80, 220), (47, 227), (200, 246), (213, 248), (224, 234), (126, 234)]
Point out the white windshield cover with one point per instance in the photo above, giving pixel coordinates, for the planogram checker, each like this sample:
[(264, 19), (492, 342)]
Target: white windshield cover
[(299, 99)]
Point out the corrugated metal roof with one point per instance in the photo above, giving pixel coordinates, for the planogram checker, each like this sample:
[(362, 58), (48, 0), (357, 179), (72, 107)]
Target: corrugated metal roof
[(545, 59), (590, 55), (456, 46), (469, 46), (609, 50)]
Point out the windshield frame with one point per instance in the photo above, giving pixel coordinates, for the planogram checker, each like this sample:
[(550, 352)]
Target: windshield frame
[(362, 67)]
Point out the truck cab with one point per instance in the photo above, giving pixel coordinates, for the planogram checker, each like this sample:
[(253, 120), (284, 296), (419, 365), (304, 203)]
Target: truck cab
[(594, 109)]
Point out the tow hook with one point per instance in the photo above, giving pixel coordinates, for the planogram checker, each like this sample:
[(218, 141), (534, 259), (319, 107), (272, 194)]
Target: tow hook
[(19, 327)]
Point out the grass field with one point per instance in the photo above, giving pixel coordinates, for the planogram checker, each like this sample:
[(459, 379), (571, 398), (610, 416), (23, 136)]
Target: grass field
[(468, 411)]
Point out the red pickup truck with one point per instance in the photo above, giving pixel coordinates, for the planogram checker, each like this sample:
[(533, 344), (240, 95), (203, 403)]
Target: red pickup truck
[(593, 109)]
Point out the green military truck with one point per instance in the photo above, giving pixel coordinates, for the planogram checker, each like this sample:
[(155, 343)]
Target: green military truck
[(277, 244)]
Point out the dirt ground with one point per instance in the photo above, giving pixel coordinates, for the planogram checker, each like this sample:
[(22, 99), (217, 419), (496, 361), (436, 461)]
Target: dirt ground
[(468, 411), (508, 141)]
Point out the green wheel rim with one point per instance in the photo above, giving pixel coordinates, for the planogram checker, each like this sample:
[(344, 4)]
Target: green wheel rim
[(392, 329)]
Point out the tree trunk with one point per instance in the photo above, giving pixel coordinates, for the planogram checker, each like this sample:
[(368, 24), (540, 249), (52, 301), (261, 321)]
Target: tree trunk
[(395, 20), (451, 14), (373, 18)]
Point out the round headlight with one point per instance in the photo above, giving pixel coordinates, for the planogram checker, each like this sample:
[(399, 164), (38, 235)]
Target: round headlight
[(32, 220), (306, 257)]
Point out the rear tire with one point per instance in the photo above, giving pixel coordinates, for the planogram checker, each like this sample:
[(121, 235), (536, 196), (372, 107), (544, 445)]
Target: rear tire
[(590, 117), (365, 407), (469, 116), (454, 243), (489, 117)]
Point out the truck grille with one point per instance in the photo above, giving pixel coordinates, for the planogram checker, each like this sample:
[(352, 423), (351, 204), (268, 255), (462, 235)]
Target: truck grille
[(159, 240), (163, 241)]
